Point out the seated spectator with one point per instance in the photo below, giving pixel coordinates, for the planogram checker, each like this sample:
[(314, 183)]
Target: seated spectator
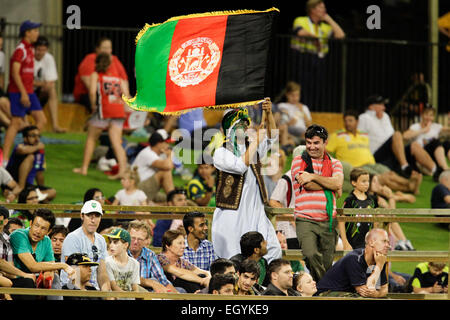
[(152, 274), (295, 264), (82, 264), (220, 266), (57, 236), (281, 276), (5, 108), (179, 271), (9, 186), (426, 133), (45, 76), (33, 251), (11, 276), (358, 272), (123, 270), (87, 67), (430, 277), (12, 225), (27, 163), (247, 281), (254, 247), (200, 188), (440, 196), (28, 196), (175, 198), (221, 284), (387, 145), (352, 147), (154, 169), (199, 251), (304, 284)]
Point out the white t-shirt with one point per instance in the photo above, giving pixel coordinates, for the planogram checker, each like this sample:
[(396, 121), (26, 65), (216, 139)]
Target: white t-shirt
[(124, 276), (379, 130), (144, 161), (294, 112), (424, 138), (133, 199), (45, 69)]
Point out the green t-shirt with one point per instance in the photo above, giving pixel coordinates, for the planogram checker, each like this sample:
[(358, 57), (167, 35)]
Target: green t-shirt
[(20, 243)]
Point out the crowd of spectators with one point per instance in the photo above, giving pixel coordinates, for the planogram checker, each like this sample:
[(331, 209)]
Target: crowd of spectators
[(368, 159)]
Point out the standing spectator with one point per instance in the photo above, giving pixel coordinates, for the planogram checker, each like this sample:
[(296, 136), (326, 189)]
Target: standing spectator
[(353, 234), (57, 236), (440, 196), (317, 180), (33, 251), (152, 274), (82, 265), (20, 90), (13, 276), (175, 198), (247, 282), (105, 94), (123, 270), (199, 251), (304, 284), (45, 76), (241, 194), (155, 171), (357, 273), (27, 163), (430, 277), (387, 145), (221, 284), (280, 279), (254, 247), (180, 272), (427, 134), (86, 240), (5, 108), (87, 67), (200, 188)]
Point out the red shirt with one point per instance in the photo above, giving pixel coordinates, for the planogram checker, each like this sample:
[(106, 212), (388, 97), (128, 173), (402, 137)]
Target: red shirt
[(24, 54), (87, 67), (110, 103)]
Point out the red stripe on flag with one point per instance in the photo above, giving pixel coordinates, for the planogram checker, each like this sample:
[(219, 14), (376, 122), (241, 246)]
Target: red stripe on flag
[(194, 62)]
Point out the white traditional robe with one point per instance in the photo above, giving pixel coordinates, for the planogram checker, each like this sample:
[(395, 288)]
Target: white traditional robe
[(229, 225)]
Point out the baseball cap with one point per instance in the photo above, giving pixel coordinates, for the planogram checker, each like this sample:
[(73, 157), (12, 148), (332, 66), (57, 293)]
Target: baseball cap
[(163, 133), (80, 259), (119, 233), (92, 206), (27, 25), (376, 98)]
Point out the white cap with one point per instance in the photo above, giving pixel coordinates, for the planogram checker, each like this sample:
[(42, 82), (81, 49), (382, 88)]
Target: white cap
[(163, 133), (92, 206)]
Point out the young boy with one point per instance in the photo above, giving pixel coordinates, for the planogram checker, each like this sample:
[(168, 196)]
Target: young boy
[(82, 264), (430, 277), (123, 270), (353, 233)]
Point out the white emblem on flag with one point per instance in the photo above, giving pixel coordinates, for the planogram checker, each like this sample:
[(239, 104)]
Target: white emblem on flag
[(194, 61)]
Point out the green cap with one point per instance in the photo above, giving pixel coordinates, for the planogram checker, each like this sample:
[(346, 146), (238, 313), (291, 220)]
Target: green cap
[(119, 233)]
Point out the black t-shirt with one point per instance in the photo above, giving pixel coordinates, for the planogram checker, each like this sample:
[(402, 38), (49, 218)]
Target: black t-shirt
[(437, 197), (348, 272), (356, 231)]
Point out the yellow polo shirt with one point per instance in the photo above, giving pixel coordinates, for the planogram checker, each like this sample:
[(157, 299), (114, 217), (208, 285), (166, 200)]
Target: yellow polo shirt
[(350, 148)]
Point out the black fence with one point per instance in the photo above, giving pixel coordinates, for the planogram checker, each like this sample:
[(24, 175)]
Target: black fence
[(351, 71)]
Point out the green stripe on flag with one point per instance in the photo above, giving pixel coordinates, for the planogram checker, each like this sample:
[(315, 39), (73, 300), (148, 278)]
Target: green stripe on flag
[(152, 56)]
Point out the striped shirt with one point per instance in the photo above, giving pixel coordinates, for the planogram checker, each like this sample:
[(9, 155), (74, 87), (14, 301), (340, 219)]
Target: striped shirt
[(203, 257), (312, 204), (150, 266)]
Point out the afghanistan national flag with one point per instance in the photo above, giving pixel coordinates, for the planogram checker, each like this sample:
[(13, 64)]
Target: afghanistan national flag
[(216, 59)]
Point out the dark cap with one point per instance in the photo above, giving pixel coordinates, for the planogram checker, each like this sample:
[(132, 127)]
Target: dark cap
[(375, 99), (28, 25), (80, 259), (155, 138)]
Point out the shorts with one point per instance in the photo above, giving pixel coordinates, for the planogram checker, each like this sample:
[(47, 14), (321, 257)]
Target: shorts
[(95, 121), (18, 110)]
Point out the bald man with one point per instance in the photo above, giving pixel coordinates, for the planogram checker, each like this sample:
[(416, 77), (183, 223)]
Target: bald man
[(361, 272)]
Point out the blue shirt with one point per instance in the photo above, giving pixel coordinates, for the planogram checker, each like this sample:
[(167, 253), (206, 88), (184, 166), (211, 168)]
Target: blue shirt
[(150, 266), (192, 120), (203, 257)]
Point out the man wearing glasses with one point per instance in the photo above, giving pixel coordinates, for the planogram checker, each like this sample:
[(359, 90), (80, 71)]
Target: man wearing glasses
[(27, 163), (86, 240)]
